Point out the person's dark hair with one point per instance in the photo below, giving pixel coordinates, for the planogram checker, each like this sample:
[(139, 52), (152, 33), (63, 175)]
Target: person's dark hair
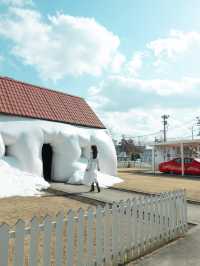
[(94, 151)]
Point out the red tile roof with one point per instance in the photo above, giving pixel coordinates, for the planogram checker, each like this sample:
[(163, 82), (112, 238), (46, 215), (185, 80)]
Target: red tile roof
[(23, 99)]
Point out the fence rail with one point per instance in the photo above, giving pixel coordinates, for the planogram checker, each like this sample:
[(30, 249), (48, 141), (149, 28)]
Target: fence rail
[(132, 164), (105, 236)]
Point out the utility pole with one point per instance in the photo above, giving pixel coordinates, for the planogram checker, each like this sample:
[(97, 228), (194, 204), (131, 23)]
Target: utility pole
[(165, 117)]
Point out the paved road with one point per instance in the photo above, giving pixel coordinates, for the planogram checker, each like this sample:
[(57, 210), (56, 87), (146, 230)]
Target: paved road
[(81, 192)]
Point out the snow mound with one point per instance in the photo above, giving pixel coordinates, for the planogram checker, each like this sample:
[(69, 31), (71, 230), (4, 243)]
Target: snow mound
[(15, 182), (80, 176), (107, 180)]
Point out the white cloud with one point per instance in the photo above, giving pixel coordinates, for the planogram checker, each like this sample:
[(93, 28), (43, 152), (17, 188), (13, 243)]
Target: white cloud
[(96, 99), (177, 43), (64, 45), (135, 64), (18, 3), (161, 87), (117, 63), (144, 121), (134, 106)]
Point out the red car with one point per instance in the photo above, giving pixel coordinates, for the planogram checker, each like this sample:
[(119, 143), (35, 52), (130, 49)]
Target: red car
[(191, 166)]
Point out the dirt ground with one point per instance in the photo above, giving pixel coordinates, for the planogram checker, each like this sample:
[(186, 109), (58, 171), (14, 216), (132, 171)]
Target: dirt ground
[(138, 180), (13, 208)]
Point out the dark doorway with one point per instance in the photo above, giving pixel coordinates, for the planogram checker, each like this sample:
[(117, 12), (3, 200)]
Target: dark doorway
[(47, 161)]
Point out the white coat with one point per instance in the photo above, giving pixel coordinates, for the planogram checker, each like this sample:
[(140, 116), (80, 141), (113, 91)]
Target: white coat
[(91, 170)]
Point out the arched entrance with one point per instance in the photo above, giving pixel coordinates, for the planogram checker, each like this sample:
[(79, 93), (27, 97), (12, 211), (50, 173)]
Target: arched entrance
[(47, 154)]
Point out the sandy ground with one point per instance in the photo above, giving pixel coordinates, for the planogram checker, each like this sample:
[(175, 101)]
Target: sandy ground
[(13, 208), (137, 180)]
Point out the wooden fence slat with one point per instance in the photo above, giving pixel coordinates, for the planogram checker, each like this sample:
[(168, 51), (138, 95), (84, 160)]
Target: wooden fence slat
[(59, 239), (90, 237), (145, 222), (133, 224), (128, 222), (4, 240), (182, 210), (19, 243), (171, 214), (159, 226), (70, 237), (107, 234), (176, 217), (99, 243), (126, 233), (154, 220), (162, 218), (80, 259), (114, 230), (137, 227), (34, 242), (151, 217), (47, 241), (148, 217), (140, 224), (185, 211), (121, 227)]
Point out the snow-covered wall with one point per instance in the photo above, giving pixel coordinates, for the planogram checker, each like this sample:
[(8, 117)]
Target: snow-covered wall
[(22, 140)]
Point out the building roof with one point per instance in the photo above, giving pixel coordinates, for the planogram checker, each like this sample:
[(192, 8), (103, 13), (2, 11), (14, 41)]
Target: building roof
[(177, 142), (23, 99)]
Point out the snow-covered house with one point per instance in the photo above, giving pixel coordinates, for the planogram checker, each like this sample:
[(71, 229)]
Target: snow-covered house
[(49, 133)]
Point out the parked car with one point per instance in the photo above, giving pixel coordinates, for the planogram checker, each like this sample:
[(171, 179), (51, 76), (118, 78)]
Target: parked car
[(191, 166)]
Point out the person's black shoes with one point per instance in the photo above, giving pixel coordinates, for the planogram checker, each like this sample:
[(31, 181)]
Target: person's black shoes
[(98, 188), (92, 188)]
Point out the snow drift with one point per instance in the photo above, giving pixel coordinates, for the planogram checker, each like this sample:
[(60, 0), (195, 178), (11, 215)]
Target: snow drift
[(21, 142), (18, 183)]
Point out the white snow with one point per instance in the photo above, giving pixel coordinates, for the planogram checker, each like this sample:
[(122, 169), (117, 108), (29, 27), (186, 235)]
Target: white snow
[(18, 183), (21, 167)]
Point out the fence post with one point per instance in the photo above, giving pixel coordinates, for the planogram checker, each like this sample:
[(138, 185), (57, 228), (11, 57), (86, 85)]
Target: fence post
[(4, 240)]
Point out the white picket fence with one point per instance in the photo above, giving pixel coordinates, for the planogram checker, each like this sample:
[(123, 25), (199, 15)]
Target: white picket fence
[(105, 236)]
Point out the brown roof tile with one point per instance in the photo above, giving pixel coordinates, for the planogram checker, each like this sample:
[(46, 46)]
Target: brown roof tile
[(23, 99)]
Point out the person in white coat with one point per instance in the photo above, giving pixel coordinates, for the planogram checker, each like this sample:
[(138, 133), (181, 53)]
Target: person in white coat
[(92, 167)]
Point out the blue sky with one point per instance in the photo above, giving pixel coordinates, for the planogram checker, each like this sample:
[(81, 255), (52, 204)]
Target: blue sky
[(131, 60)]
